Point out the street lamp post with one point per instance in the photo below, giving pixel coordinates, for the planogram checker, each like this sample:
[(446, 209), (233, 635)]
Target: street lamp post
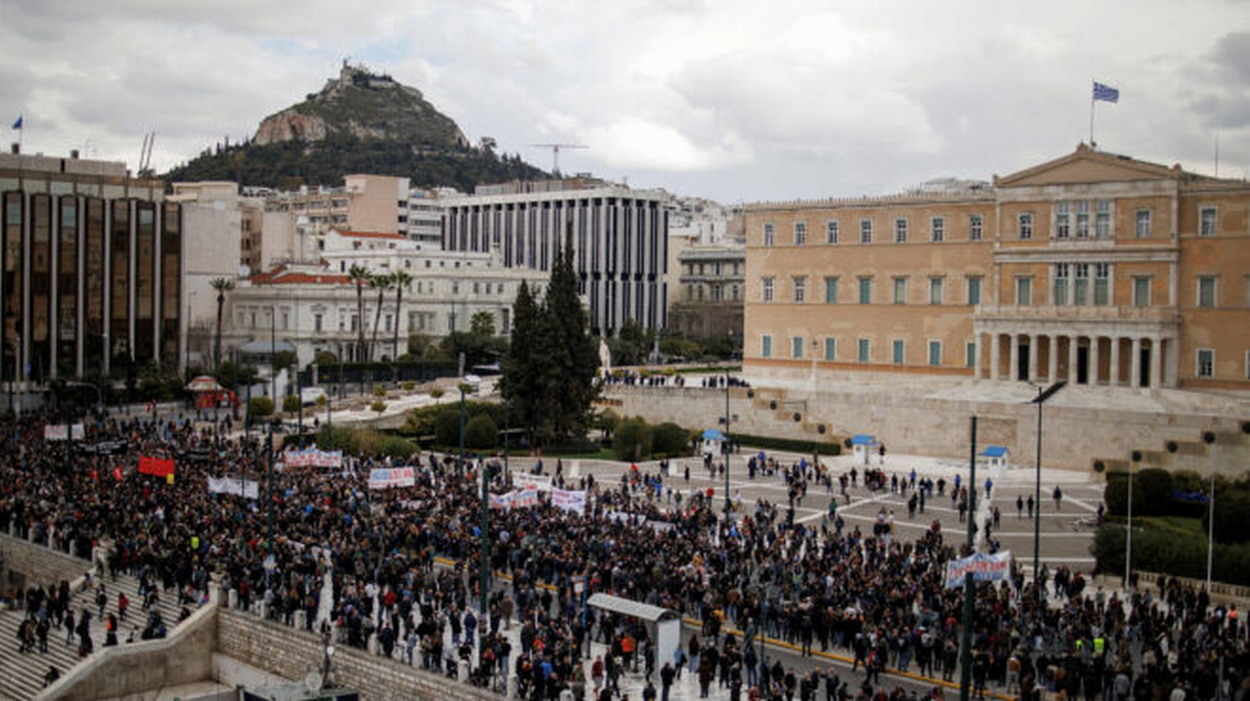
[(273, 354), (1042, 396), (970, 587), (1128, 534), (728, 446)]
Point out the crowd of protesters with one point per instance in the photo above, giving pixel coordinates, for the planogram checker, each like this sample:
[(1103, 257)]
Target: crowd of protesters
[(400, 568)]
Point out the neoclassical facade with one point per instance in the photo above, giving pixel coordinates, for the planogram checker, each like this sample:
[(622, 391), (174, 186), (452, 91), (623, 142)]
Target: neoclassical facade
[(1093, 268)]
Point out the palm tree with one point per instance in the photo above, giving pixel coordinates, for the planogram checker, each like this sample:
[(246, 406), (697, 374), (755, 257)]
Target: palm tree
[(222, 285), (381, 283), (359, 276), (402, 279)]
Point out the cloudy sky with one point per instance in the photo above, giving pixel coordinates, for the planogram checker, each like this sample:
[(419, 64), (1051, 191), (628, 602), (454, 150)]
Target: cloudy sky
[(734, 100)]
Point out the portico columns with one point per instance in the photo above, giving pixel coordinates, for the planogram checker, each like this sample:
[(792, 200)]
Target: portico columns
[(1114, 379), (995, 354), (1134, 379), (1014, 357), (1034, 340), (1156, 362), (978, 356), (1052, 371), (1073, 345), (1092, 376)]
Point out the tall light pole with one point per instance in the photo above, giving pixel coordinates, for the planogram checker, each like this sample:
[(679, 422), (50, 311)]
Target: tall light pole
[(729, 448), (273, 355), (1128, 534), (1042, 396), (1210, 532), (970, 585)]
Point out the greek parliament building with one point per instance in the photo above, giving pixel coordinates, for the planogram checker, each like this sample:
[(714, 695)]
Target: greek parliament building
[(620, 240), (91, 260), (1093, 268)]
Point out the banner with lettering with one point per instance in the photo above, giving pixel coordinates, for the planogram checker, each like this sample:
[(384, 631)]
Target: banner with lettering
[(385, 478), (62, 432), (541, 483), (228, 485), (569, 500), (984, 568), (312, 457)]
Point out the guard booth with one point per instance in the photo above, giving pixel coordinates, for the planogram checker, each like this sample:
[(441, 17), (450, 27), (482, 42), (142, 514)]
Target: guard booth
[(663, 625), (863, 446), (996, 455), (713, 442)]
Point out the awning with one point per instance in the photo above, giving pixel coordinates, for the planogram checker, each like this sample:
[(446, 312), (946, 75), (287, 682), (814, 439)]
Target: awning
[(713, 434), (204, 383), (629, 607), (995, 451), (863, 439)]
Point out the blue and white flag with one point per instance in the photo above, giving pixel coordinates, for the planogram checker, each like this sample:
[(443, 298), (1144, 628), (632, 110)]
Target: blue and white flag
[(1106, 93), (18, 123)]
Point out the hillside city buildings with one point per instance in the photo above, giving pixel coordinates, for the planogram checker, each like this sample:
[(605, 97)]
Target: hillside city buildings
[(1093, 268)]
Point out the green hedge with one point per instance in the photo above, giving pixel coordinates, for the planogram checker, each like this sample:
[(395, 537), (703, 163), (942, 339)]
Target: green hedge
[(793, 445), (1152, 493), (1170, 553)]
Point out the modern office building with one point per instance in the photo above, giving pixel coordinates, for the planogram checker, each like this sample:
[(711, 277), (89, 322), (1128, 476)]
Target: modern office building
[(1093, 268), (620, 240), (92, 269)]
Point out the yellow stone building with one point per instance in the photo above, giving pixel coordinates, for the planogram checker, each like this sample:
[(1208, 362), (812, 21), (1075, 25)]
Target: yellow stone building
[(1093, 268)]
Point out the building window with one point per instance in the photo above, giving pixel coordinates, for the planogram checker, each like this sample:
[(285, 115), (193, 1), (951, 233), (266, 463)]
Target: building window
[(796, 347), (937, 229), (900, 290), (1080, 289), (1206, 362), (831, 290), (768, 234), (970, 354), (897, 350), (865, 290), (1060, 289), (317, 319), (1082, 219), (1024, 291), (1063, 221), (386, 323), (864, 350), (831, 349), (800, 233), (1025, 222), (286, 321), (831, 232), (1142, 226), (1206, 291), (935, 352), (974, 227), (766, 289), (974, 290), (766, 346), (865, 231), (1102, 284), (1102, 219), (1141, 292), (936, 289), (412, 321), (900, 231), (800, 289), (1206, 221)]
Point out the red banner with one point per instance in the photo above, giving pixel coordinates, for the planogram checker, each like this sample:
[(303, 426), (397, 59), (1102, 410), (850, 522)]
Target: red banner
[(161, 467)]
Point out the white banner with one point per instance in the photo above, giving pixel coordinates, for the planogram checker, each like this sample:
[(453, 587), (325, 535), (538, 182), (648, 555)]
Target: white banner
[(541, 483), (983, 568), (569, 500), (228, 485), (62, 432), (516, 499), (311, 457), (384, 478)]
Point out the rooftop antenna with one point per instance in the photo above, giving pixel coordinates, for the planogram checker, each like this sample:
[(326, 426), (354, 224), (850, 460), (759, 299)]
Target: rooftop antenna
[(555, 154)]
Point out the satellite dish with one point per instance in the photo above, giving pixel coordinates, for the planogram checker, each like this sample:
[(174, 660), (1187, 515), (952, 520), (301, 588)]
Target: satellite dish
[(313, 682)]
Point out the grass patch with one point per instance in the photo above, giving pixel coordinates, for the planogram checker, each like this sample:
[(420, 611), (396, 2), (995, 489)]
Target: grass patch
[(1177, 525)]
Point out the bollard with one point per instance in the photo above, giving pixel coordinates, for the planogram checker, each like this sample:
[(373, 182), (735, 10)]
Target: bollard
[(301, 617), (233, 598), (463, 671), (263, 610), (373, 646), (512, 686)]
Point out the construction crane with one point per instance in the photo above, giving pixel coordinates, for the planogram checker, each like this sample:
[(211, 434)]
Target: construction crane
[(145, 153), (555, 154)]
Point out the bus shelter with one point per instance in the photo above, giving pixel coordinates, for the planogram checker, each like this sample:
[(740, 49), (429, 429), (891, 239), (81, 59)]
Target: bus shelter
[(663, 625)]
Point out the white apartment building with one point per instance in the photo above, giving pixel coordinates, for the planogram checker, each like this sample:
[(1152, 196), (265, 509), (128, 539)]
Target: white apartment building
[(314, 307)]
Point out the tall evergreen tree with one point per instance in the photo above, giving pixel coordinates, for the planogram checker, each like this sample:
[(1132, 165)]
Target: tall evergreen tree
[(518, 378), (570, 377)]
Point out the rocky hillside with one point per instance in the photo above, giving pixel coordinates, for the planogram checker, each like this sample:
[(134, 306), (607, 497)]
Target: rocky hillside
[(360, 122)]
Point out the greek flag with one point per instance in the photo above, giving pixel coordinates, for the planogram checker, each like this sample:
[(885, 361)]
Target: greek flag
[(1106, 93), (18, 123)]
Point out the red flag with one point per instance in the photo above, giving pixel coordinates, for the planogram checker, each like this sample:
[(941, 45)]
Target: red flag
[(117, 474), (160, 467)]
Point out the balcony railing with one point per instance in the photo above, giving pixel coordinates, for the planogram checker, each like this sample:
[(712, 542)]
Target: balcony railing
[(1068, 312)]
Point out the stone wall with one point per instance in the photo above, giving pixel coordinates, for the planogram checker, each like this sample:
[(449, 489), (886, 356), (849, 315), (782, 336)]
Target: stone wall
[(184, 657), (1073, 437), (292, 654), (35, 564)]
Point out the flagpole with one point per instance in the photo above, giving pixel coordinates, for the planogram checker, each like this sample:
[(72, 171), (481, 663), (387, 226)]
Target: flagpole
[(1092, 100)]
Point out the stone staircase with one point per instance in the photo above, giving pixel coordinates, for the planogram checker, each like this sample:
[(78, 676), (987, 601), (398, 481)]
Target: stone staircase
[(22, 674)]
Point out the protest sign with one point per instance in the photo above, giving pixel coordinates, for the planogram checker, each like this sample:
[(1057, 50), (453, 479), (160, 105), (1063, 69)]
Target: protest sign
[(385, 478), (984, 568), (229, 485)]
